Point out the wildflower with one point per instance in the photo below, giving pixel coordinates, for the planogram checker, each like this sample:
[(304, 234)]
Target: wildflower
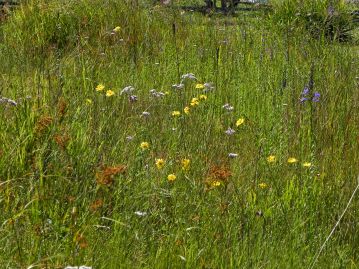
[(307, 164), (203, 97), (133, 98), (262, 185), (186, 110), (127, 90), (194, 102), (178, 86), (117, 29), (228, 107), (144, 145), (7, 101), (232, 155), (146, 114), (140, 213), (292, 160), (316, 97), (100, 87), (129, 138), (208, 86), (171, 177), (271, 158), (199, 86), (88, 101), (176, 113), (230, 131), (189, 76), (239, 122), (160, 163), (216, 183), (110, 93), (185, 164)]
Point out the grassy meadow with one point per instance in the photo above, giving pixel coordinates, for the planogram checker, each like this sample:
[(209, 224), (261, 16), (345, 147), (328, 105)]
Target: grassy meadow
[(139, 135)]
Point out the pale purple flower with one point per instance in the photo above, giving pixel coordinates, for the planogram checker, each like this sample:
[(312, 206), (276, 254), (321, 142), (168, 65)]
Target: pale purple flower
[(178, 86), (189, 76), (228, 107), (140, 213), (7, 101), (129, 138), (127, 90), (133, 98), (146, 114), (232, 155), (230, 131), (155, 93), (208, 86), (316, 97)]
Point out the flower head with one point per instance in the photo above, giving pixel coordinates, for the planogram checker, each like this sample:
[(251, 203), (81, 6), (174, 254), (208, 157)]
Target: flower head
[(144, 145), (171, 177), (292, 160), (271, 158), (199, 86), (203, 97), (146, 114), (262, 185), (316, 97), (117, 29), (186, 110), (189, 76), (194, 101), (232, 155), (133, 98), (185, 164), (100, 87), (127, 90), (110, 93), (307, 164), (228, 107), (88, 101), (239, 122), (176, 113), (216, 183), (160, 163), (230, 131)]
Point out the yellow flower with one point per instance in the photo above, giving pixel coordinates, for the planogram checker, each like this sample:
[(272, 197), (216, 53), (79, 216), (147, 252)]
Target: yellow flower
[(199, 86), (194, 102), (144, 145), (239, 122), (203, 97), (110, 93), (160, 163), (186, 110), (271, 159), (216, 183), (262, 185), (171, 177), (88, 101), (100, 87), (176, 113), (185, 164), (292, 160), (307, 164), (117, 29), (167, 93)]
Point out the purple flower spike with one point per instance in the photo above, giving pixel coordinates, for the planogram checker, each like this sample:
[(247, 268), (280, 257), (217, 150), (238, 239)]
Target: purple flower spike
[(305, 91), (316, 97), (303, 99)]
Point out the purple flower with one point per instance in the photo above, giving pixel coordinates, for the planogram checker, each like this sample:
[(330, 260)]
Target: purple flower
[(316, 97), (230, 131), (303, 99), (305, 91), (232, 155), (133, 98)]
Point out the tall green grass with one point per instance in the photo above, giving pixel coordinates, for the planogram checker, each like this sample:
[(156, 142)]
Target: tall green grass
[(71, 180)]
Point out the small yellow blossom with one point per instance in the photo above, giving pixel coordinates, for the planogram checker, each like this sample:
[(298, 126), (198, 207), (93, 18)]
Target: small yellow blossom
[(186, 110), (292, 160), (262, 185), (100, 87), (203, 97), (199, 86), (144, 145), (194, 101), (167, 93), (185, 164), (110, 93), (239, 122), (271, 158), (216, 183), (117, 29), (88, 101), (176, 113), (160, 163), (171, 177), (307, 164)]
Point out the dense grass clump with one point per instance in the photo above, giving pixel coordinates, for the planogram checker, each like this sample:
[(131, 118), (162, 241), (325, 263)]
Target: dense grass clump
[(135, 135)]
